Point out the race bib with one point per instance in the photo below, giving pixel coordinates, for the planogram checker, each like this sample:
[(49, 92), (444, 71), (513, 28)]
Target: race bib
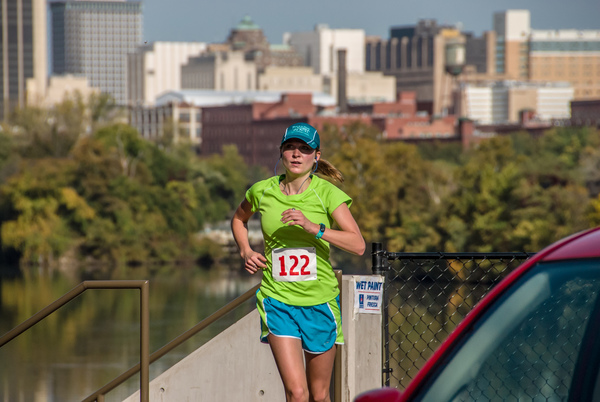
[(294, 264)]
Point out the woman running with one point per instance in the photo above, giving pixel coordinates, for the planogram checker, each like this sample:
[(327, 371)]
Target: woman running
[(298, 299)]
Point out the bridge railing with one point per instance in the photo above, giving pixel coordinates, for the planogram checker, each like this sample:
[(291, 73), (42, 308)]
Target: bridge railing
[(142, 285)]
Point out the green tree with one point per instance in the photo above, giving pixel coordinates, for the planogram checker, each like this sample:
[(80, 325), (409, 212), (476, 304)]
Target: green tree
[(139, 218), (9, 159), (41, 213), (389, 183), (503, 202), (126, 146), (594, 211), (226, 177), (103, 111), (40, 132), (105, 191)]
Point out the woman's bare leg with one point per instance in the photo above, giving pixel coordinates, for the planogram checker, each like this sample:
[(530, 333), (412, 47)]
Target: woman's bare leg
[(318, 372), (290, 363)]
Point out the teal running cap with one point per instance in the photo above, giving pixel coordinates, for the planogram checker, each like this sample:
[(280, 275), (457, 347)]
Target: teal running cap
[(303, 132)]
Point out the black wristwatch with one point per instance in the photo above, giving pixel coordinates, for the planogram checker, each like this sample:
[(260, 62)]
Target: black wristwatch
[(322, 228)]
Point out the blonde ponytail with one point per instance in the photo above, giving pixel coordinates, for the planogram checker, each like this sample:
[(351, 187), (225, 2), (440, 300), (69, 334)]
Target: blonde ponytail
[(325, 168)]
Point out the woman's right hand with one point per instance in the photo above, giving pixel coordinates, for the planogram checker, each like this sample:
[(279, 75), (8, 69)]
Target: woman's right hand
[(254, 261)]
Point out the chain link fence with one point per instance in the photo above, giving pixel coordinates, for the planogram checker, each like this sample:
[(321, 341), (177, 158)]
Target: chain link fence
[(426, 295)]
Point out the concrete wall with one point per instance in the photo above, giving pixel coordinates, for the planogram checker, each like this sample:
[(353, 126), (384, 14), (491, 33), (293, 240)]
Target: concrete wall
[(235, 366)]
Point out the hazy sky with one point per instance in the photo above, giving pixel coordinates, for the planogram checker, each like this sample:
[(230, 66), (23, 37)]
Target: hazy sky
[(211, 21)]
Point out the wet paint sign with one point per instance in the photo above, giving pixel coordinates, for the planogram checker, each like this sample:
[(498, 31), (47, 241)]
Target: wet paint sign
[(368, 294)]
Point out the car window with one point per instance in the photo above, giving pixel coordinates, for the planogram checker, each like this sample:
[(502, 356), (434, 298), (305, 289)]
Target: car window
[(526, 347)]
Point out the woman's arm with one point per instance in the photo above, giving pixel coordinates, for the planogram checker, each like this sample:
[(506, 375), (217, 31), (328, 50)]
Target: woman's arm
[(348, 238), (253, 261)]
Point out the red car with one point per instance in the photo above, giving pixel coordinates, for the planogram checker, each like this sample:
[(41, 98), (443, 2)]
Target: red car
[(534, 337)]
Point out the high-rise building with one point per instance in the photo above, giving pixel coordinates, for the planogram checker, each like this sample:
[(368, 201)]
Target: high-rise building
[(565, 55), (319, 48), (23, 48), (481, 53), (156, 67), (512, 29), (93, 38), (417, 56)]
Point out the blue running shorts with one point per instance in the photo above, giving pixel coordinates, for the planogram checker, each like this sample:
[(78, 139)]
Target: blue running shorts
[(318, 327)]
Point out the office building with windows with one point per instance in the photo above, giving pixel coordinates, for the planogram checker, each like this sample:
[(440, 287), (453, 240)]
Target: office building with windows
[(319, 48), (23, 49), (504, 101), (156, 68), (221, 71), (416, 55), (567, 55), (512, 28), (93, 38)]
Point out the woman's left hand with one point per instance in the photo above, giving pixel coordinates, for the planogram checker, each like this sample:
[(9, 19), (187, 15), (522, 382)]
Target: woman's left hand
[(293, 216)]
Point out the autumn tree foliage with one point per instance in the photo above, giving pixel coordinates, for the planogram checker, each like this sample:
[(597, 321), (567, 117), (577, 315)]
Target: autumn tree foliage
[(76, 179), (509, 193), (104, 193)]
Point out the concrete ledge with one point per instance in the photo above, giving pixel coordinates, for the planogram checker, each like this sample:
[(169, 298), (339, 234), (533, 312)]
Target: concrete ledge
[(235, 366)]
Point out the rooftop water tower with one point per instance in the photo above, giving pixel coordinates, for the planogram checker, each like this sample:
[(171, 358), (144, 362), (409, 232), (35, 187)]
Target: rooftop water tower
[(454, 62), (455, 57)]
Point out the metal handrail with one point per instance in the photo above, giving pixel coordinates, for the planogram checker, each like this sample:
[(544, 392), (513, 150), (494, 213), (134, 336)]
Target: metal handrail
[(143, 285), (98, 396)]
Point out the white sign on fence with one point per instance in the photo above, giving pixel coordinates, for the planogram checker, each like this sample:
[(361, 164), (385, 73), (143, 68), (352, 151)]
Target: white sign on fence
[(368, 294)]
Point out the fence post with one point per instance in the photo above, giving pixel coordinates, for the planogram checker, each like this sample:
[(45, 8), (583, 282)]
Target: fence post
[(380, 267), (378, 258), (337, 367)]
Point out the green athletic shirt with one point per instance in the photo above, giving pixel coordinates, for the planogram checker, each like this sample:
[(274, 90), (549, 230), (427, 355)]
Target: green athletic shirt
[(317, 203)]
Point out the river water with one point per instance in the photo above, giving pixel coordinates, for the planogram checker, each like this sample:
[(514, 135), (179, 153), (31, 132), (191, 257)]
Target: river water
[(95, 337)]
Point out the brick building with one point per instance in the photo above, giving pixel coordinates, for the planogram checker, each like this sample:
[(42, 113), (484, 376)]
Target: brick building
[(414, 128), (405, 105), (256, 128), (585, 113)]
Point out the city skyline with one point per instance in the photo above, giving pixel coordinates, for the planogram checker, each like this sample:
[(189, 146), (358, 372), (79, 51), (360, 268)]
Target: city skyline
[(188, 22)]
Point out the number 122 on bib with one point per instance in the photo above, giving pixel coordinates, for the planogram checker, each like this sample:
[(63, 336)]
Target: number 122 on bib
[(294, 264)]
